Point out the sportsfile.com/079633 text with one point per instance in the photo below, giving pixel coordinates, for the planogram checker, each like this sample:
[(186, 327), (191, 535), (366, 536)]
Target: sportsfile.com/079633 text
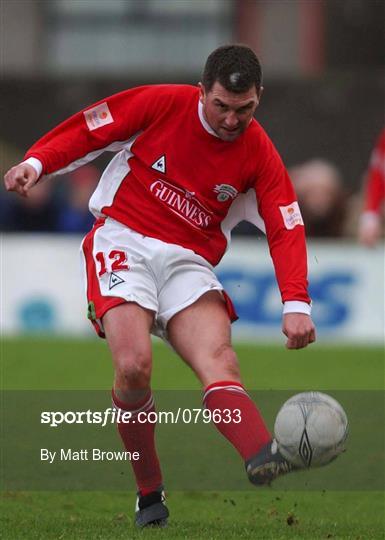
[(112, 415)]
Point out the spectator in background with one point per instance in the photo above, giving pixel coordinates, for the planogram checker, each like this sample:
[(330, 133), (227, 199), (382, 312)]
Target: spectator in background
[(47, 209), (371, 219), (74, 216), (321, 196), (35, 213)]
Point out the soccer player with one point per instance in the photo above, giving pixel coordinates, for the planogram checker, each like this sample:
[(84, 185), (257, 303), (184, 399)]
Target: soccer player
[(192, 162), (370, 225)]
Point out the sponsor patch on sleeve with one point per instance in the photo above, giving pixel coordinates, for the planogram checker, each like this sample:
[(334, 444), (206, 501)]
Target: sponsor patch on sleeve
[(291, 215), (98, 116)]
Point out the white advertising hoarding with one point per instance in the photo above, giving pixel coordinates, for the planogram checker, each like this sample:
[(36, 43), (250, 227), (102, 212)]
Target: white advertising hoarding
[(42, 291), (346, 284)]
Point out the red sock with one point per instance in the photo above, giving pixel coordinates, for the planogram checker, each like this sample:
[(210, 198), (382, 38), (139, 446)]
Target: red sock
[(250, 434), (140, 437)]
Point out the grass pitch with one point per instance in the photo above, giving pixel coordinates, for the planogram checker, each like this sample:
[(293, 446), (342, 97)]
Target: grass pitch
[(49, 364)]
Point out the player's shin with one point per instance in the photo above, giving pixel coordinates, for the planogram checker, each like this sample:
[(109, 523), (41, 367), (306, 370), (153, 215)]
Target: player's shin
[(138, 435), (236, 416)]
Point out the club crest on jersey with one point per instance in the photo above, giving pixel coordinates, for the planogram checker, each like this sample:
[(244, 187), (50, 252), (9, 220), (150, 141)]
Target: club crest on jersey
[(225, 192), (160, 164)]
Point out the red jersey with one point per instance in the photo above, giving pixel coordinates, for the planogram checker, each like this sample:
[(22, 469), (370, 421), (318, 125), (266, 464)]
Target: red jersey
[(375, 181), (173, 179)]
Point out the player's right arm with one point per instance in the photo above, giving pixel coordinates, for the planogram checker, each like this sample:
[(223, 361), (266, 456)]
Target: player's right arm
[(21, 179), (106, 125)]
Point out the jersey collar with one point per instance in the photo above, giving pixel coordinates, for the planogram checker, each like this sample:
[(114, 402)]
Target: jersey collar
[(203, 120)]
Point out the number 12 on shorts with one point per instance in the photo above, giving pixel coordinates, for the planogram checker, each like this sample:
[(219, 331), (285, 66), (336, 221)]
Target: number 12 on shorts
[(116, 259)]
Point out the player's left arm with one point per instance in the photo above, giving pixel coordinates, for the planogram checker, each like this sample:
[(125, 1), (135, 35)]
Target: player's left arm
[(278, 206)]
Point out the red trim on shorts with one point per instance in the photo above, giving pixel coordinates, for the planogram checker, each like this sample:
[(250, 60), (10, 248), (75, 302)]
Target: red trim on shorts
[(101, 303), (230, 307)]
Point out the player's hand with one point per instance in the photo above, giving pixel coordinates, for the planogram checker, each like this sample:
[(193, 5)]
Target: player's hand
[(21, 179), (299, 330)]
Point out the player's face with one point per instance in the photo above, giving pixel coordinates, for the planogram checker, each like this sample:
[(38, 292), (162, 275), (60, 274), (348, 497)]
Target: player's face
[(227, 113)]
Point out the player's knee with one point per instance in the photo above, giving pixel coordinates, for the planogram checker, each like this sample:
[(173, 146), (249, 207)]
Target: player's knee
[(133, 371)]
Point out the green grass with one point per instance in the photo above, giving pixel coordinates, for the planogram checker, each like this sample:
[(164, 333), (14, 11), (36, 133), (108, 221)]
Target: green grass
[(209, 515), (47, 364)]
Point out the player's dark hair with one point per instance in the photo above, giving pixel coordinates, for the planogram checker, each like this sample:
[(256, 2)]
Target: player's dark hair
[(235, 67)]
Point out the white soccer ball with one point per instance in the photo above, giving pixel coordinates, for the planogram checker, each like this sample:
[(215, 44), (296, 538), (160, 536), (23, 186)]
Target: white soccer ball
[(311, 429)]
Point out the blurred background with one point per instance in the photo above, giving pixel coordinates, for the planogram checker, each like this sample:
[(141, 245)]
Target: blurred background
[(323, 107)]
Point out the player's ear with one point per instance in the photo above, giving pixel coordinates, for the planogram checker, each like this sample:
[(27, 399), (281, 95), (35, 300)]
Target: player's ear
[(259, 93), (202, 92)]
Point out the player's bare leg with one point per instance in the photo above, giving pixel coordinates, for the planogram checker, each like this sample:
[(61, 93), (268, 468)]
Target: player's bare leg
[(127, 328), (201, 335)]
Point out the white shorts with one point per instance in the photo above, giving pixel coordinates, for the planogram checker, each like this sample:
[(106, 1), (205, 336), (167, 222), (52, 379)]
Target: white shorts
[(122, 265)]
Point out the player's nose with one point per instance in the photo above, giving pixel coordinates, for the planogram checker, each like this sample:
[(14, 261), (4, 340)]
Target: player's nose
[(231, 120)]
